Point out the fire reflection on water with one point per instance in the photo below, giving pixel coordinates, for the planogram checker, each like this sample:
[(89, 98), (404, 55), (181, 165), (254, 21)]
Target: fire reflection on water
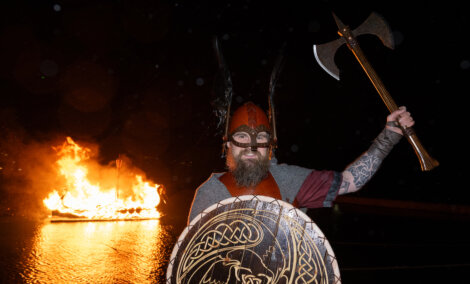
[(86, 252)]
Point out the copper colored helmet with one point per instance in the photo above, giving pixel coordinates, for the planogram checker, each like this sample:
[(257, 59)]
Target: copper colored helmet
[(251, 119)]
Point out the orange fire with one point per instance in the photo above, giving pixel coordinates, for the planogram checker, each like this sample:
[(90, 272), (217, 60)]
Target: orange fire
[(102, 198)]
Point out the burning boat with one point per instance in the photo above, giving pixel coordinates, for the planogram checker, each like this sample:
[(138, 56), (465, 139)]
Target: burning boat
[(92, 192)]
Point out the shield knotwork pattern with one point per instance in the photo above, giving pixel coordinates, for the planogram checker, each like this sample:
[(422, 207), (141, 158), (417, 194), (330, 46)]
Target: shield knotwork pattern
[(252, 239)]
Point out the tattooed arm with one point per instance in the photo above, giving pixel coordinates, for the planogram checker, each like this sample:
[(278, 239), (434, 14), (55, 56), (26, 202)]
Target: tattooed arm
[(363, 168)]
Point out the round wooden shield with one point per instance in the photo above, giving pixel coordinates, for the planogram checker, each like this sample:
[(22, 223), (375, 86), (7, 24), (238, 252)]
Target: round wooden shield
[(252, 239)]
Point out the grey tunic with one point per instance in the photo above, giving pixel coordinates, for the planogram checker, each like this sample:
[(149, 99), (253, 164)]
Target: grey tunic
[(289, 178)]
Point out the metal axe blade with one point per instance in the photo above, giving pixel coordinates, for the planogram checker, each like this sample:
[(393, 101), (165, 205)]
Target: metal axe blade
[(325, 54), (374, 24)]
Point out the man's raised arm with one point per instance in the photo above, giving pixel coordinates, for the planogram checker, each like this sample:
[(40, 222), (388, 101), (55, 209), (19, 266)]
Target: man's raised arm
[(359, 172)]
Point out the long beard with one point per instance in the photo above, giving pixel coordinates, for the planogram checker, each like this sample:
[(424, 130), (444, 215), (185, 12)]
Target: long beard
[(247, 173)]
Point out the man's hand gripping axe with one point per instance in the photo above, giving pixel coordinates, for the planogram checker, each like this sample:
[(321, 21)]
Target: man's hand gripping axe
[(374, 24)]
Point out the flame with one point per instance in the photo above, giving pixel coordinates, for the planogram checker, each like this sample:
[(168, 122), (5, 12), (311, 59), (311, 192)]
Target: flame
[(84, 198)]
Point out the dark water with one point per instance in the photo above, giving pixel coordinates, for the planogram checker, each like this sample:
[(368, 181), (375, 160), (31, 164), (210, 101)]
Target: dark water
[(371, 247), (380, 245)]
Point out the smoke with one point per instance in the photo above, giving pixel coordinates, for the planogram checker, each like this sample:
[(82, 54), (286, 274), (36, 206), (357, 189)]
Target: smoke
[(27, 174)]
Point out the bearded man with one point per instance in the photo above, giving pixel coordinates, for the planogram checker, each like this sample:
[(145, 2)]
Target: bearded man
[(253, 171)]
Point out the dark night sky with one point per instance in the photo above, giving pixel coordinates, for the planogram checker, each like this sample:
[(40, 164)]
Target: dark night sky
[(138, 77)]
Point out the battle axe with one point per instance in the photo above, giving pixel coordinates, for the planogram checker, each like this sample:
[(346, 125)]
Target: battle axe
[(376, 25)]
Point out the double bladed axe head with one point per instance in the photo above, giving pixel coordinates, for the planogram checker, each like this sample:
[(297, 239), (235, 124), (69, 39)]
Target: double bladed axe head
[(374, 24)]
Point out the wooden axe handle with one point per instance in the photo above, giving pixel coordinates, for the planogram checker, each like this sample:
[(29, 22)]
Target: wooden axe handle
[(426, 161)]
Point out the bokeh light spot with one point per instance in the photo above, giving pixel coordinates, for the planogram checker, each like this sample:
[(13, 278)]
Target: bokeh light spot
[(49, 68), (294, 148), (199, 81), (465, 64)]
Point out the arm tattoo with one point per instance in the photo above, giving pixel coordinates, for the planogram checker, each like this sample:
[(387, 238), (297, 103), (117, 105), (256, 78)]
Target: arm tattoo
[(364, 168), (368, 163)]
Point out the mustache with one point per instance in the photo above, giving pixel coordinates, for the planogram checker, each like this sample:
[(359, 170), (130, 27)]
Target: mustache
[(247, 151)]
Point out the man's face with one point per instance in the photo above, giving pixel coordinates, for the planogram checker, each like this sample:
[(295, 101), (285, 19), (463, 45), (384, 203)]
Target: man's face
[(248, 167), (248, 155)]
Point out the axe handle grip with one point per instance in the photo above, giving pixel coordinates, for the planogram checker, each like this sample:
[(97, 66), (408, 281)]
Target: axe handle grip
[(426, 161)]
